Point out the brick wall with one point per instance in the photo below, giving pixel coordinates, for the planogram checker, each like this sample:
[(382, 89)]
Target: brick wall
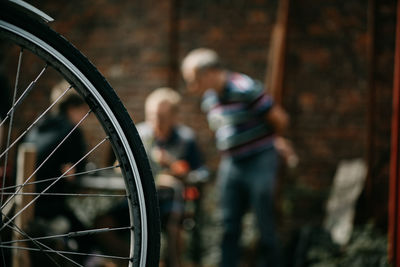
[(329, 81), (326, 90), (137, 45)]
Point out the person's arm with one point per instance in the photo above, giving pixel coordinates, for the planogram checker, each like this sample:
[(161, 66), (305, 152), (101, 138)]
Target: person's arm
[(278, 119)]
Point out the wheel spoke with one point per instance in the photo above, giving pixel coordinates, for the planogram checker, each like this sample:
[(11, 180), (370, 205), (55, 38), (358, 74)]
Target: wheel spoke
[(34, 123), (48, 157), (47, 188), (11, 119), (37, 243), (68, 252), (22, 96), (70, 235), (9, 135), (64, 177), (26, 92), (66, 194)]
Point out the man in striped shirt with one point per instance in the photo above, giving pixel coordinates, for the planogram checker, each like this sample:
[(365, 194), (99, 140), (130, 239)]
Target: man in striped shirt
[(246, 123)]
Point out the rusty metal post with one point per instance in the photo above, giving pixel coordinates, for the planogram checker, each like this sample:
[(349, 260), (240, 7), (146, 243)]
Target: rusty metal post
[(394, 187)]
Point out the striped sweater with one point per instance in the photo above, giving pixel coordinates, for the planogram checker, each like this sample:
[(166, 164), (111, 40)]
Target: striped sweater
[(237, 115)]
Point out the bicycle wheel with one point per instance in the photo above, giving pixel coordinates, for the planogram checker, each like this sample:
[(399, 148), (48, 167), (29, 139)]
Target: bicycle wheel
[(35, 45)]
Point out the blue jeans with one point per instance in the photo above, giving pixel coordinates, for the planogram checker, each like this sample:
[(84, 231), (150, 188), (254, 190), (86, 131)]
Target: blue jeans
[(249, 183)]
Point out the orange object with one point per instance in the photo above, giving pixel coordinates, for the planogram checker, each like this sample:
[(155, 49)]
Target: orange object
[(191, 193), (180, 167)]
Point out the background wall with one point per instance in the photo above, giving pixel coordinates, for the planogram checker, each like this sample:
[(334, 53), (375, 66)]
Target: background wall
[(337, 81)]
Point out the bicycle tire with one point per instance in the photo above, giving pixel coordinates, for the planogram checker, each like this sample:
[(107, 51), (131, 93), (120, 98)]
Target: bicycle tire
[(57, 52)]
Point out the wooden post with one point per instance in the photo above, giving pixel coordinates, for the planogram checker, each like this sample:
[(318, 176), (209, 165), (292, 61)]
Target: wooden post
[(394, 186), (26, 162), (276, 55)]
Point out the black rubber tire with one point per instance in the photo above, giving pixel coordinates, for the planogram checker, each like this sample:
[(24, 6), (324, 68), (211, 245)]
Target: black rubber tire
[(12, 15)]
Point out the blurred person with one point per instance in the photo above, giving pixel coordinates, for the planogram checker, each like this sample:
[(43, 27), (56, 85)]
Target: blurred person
[(175, 160), (246, 122), (46, 136), (173, 155)]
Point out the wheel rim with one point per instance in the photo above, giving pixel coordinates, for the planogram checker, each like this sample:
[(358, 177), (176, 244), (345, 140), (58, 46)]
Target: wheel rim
[(77, 74)]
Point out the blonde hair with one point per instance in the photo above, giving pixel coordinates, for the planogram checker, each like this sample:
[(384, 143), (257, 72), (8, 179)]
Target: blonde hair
[(200, 59), (160, 95)]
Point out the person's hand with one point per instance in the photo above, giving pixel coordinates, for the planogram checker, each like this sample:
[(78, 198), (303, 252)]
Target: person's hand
[(278, 118), (161, 156), (180, 168), (286, 151)]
